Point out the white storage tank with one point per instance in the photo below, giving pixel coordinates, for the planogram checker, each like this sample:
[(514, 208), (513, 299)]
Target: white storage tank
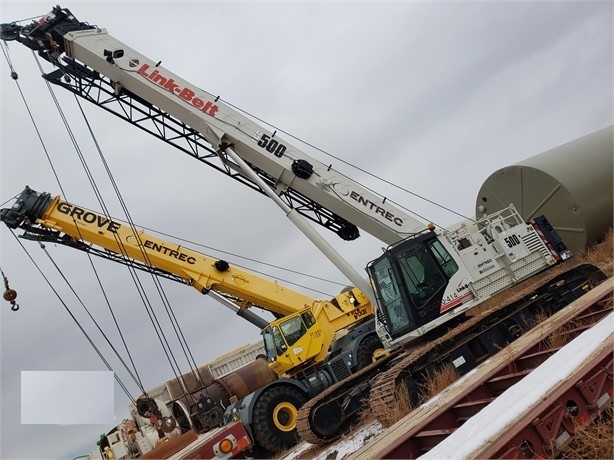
[(571, 185)]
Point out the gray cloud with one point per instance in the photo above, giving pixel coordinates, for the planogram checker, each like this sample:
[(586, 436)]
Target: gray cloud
[(432, 96)]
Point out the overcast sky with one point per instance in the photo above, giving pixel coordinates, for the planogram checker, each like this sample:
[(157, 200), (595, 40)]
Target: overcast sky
[(431, 96)]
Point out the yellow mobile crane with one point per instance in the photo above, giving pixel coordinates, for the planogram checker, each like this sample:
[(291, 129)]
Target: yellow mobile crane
[(312, 345)]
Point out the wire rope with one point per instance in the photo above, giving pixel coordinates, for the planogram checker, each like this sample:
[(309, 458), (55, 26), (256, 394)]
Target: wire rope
[(53, 169), (151, 313), (44, 147), (167, 305), (279, 267), (135, 376), (358, 168), (100, 200), (70, 313), (27, 106)]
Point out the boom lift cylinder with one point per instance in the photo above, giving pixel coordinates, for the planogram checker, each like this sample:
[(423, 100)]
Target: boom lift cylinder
[(307, 230)]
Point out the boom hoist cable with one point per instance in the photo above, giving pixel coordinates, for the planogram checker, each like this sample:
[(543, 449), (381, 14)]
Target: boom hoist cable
[(14, 76), (148, 306), (135, 376), (211, 249), (161, 292), (351, 165), (81, 328), (159, 331)]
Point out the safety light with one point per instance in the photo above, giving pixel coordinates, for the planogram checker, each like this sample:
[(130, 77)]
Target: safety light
[(225, 446)]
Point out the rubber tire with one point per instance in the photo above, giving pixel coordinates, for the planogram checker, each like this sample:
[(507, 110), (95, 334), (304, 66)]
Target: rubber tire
[(365, 350), (266, 434)]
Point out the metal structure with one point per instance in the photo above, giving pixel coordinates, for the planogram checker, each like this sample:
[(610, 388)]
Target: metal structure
[(103, 70), (311, 345), (571, 184), (425, 281), (544, 427)]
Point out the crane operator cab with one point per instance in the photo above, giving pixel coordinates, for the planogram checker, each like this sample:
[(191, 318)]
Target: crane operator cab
[(410, 279), (292, 340)]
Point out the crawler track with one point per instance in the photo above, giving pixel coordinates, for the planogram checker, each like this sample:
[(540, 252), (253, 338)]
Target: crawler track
[(331, 414), (547, 425)]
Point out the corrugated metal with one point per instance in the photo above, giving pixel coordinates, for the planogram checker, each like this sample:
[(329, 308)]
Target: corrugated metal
[(189, 382), (235, 359), (571, 185), (225, 364)]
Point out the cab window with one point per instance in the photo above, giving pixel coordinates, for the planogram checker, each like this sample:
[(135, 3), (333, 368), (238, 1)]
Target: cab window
[(293, 330), (273, 343), (421, 274), (308, 319), (447, 263), (390, 296)]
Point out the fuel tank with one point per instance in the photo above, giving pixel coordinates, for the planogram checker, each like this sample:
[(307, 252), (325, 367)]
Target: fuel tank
[(571, 185)]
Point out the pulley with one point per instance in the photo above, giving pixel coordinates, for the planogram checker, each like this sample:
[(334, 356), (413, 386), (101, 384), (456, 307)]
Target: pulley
[(221, 265), (146, 406), (302, 169), (347, 231), (168, 424), (9, 32)]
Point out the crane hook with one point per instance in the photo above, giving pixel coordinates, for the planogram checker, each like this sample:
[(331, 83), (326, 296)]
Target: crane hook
[(10, 294)]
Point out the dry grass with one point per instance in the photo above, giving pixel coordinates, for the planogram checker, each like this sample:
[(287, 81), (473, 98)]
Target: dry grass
[(565, 334), (435, 382), (561, 336), (601, 255), (390, 415), (593, 440)]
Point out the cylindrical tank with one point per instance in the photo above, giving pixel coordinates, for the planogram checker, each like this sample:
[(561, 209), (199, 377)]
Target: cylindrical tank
[(239, 383), (571, 185), (189, 382)]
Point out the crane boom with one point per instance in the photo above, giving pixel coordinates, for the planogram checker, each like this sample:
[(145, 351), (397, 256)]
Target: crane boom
[(426, 280), (312, 343), (307, 184), (195, 269)]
